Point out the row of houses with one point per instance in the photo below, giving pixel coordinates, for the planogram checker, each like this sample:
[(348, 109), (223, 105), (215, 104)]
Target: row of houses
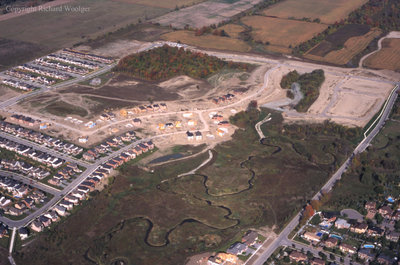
[(68, 60), (30, 77), (39, 138), (69, 171), (198, 136), (19, 85), (87, 56), (149, 108), (296, 256), (88, 185), (31, 153), (106, 147), (20, 198), (128, 155), (54, 215), (24, 168), (222, 99), (25, 120), (249, 241), (42, 71), (62, 67)]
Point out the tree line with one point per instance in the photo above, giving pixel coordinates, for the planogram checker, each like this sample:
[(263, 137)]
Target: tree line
[(166, 62)]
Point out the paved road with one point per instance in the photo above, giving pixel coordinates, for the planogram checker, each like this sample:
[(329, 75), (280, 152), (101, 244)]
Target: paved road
[(260, 258), (258, 126)]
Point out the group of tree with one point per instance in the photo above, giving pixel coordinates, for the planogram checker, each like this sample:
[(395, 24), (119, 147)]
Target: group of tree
[(289, 79), (166, 62), (310, 84)]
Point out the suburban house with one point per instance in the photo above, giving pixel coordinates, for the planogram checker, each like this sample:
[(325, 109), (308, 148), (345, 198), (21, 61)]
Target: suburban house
[(386, 212), (366, 254), (237, 249), (371, 214), (370, 205), (23, 233), (342, 224), (346, 248), (312, 237), (250, 238), (359, 228), (331, 242), (297, 256), (393, 236), (37, 226)]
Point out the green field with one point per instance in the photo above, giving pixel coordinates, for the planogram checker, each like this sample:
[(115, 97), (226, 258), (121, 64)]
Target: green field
[(139, 220)]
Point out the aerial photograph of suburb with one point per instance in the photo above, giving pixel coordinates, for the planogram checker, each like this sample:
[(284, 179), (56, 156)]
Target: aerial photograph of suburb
[(199, 132)]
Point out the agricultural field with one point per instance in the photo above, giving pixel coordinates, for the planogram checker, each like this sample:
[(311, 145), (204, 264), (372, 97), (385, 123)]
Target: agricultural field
[(232, 30), (163, 4), (326, 10), (205, 14), (341, 46), (387, 58), (290, 33), (214, 207), (207, 41), (39, 33)]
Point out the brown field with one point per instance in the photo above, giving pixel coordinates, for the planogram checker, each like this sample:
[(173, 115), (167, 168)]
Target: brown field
[(207, 41), (387, 58), (205, 14), (327, 11), (290, 32), (352, 47), (163, 4), (232, 30)]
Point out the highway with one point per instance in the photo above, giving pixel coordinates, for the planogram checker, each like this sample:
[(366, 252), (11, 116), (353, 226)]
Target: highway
[(266, 250)]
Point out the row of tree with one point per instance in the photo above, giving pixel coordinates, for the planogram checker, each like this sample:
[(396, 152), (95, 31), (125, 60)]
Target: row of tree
[(166, 62)]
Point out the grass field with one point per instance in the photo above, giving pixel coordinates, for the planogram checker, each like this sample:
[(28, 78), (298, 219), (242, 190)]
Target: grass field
[(141, 221), (290, 32), (39, 33), (327, 11), (351, 47), (207, 41), (387, 58)]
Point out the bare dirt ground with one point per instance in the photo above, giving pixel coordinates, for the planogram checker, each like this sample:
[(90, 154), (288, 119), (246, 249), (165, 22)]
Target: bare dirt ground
[(7, 93), (180, 93)]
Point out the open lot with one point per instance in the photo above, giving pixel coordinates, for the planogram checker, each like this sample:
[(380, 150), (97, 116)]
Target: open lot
[(206, 13), (290, 33), (346, 46), (39, 33), (387, 58), (327, 11)]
